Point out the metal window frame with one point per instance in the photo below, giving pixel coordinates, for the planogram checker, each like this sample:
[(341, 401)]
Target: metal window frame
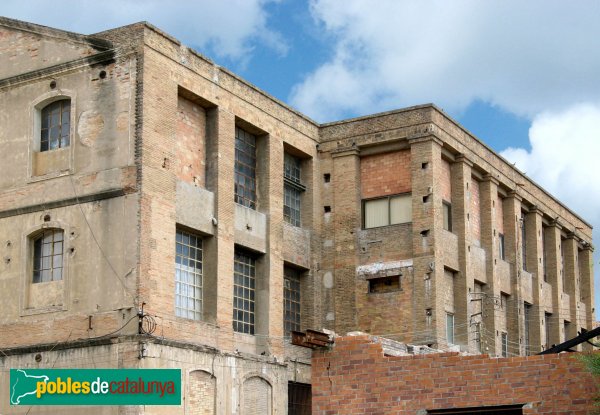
[(183, 287), (245, 168), (244, 292), (52, 242), (292, 307)]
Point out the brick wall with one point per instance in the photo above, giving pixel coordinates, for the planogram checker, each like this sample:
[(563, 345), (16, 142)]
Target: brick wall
[(354, 377), (385, 174)]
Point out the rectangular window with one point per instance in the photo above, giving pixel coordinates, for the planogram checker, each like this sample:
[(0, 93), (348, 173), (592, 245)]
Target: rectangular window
[(527, 317), (188, 275), (245, 168), (244, 290), (504, 344), (447, 210), (292, 190), (291, 300), (299, 398), (48, 256), (501, 252), (544, 256), (386, 211), (450, 328), (562, 264), (523, 242), (547, 317), (384, 284)]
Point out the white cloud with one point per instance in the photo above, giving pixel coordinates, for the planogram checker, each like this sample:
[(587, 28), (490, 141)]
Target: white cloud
[(229, 27), (564, 160), (525, 57)]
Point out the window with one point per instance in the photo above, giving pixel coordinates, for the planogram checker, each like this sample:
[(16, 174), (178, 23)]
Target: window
[(291, 300), (547, 317), (447, 210), (299, 398), (386, 211), (292, 189), (384, 284), (544, 259), (55, 125), (482, 410), (48, 256), (245, 168), (527, 316), (504, 344), (501, 252), (188, 275), (523, 242), (450, 328), (244, 289)]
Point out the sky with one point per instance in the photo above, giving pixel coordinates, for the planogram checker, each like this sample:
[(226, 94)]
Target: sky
[(524, 77)]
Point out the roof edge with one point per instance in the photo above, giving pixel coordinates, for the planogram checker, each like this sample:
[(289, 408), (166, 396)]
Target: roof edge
[(56, 33)]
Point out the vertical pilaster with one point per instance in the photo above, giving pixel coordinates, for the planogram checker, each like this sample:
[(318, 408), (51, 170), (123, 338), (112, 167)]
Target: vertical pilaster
[(429, 315), (489, 241), (463, 281), (535, 235), (571, 287), (586, 275), (554, 274), (514, 256), (220, 248), (346, 217)]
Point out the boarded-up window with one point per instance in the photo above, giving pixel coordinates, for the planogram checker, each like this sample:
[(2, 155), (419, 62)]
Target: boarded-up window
[(257, 396), (201, 393)]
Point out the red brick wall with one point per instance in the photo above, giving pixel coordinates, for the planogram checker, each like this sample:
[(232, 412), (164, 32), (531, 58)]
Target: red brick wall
[(385, 174), (355, 378), (191, 139)]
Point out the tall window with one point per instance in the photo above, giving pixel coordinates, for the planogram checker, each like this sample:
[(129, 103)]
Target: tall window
[(523, 242), (188, 275), (447, 211), (245, 168), (55, 126), (386, 211), (244, 288), (527, 317), (450, 328), (291, 300), (299, 398), (501, 252), (547, 317), (48, 256), (504, 344), (292, 189)]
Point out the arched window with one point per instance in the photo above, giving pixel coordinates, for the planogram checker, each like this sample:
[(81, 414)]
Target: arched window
[(48, 255), (56, 125)]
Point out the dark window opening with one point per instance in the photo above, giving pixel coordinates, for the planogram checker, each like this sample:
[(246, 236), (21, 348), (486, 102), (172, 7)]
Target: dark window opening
[(384, 284), (482, 410), (299, 398), (291, 300), (447, 209), (501, 252)]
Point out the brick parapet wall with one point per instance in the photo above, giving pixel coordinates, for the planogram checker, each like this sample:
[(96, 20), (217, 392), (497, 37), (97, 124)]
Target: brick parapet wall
[(354, 377)]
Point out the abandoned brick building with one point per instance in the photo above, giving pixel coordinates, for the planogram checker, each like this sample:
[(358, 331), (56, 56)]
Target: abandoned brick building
[(138, 175)]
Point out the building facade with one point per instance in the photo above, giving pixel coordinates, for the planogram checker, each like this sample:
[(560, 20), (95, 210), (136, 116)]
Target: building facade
[(143, 179)]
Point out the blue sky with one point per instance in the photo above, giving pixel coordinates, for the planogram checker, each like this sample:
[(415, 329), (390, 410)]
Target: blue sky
[(522, 76)]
